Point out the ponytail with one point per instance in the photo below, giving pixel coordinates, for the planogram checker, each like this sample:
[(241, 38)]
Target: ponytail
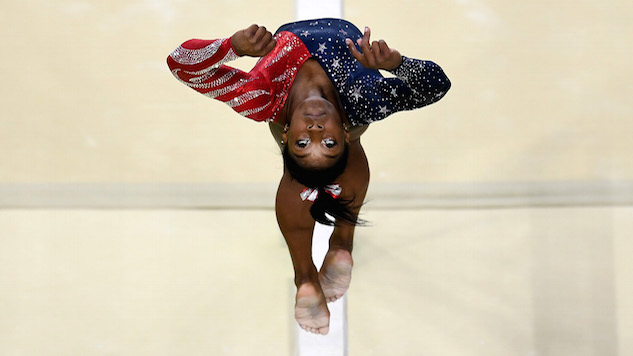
[(319, 178), (337, 208)]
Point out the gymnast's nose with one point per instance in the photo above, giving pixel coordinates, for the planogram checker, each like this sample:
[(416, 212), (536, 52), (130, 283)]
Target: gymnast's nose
[(315, 127)]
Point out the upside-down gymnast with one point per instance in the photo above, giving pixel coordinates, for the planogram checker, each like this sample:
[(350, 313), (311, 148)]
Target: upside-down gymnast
[(318, 86)]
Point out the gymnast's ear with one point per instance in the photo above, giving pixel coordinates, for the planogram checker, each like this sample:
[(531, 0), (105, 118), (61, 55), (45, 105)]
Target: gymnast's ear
[(346, 132)]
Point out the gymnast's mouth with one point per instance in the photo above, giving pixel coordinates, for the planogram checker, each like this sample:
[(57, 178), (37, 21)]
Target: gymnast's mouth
[(314, 110), (314, 114)]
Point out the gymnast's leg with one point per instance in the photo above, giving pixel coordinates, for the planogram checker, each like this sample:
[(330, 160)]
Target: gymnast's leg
[(336, 273), (296, 224)]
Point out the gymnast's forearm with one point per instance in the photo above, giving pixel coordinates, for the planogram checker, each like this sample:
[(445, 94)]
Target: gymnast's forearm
[(426, 79)]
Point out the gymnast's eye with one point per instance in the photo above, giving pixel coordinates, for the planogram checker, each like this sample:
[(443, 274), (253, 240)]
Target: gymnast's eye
[(303, 142), (328, 142)]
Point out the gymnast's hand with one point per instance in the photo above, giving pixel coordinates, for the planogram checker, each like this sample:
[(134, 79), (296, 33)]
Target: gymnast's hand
[(254, 41), (376, 55)]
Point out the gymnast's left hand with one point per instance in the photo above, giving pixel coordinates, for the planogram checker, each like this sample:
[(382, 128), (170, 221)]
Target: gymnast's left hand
[(374, 55)]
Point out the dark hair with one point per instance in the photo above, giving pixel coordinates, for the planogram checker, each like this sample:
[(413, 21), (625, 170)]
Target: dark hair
[(319, 178)]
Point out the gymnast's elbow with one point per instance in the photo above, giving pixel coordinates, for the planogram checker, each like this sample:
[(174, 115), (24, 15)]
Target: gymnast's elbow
[(444, 82), (443, 85)]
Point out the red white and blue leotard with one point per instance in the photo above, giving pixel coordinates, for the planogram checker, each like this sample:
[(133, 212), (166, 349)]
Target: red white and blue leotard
[(261, 93)]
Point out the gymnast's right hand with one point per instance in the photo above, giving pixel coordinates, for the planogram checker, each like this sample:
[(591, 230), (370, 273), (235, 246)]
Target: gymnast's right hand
[(254, 41)]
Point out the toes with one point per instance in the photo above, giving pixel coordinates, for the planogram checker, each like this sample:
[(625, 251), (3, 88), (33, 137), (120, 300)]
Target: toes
[(319, 331), (334, 298)]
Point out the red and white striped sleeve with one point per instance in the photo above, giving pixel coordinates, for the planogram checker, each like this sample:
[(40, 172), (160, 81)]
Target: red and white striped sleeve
[(199, 64)]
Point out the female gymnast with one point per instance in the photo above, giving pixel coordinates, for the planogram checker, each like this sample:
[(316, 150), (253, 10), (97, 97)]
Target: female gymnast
[(318, 86)]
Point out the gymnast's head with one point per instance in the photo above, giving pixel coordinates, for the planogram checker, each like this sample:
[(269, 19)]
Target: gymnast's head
[(316, 137)]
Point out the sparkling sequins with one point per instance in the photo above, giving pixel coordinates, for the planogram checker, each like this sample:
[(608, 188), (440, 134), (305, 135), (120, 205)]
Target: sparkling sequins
[(365, 95), (285, 75), (255, 110), (242, 99), (259, 94), (356, 93), (215, 93), (209, 72), (207, 85), (219, 81), (195, 56), (277, 57), (203, 72)]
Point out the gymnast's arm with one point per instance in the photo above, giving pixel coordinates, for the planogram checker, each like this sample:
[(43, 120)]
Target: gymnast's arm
[(418, 83), (196, 57), (200, 65), (421, 82)]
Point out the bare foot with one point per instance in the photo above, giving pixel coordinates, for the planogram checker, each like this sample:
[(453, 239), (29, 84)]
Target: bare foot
[(336, 274), (311, 310)]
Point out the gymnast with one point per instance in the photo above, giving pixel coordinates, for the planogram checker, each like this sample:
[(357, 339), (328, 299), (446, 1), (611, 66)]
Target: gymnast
[(317, 84)]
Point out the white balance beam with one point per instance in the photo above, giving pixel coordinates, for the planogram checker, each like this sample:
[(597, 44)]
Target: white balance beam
[(335, 342), (313, 9)]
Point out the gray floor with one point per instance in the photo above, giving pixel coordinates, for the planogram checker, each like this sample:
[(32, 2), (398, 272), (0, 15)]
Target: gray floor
[(546, 281)]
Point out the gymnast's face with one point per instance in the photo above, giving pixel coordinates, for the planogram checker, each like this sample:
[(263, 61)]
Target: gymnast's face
[(316, 137)]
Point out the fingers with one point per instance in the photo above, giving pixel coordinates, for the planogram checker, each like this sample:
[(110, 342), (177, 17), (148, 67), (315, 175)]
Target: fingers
[(365, 57), (370, 51), (250, 31), (264, 38), (383, 46), (374, 54), (258, 41), (365, 39), (259, 34), (267, 42), (270, 45), (375, 48), (352, 48), (256, 34)]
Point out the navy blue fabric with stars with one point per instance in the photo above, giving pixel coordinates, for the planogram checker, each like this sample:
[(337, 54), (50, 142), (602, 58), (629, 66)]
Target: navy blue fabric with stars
[(366, 95)]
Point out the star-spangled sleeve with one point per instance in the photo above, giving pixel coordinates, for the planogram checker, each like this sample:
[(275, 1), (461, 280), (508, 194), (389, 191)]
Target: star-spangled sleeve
[(418, 83), (200, 65)]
